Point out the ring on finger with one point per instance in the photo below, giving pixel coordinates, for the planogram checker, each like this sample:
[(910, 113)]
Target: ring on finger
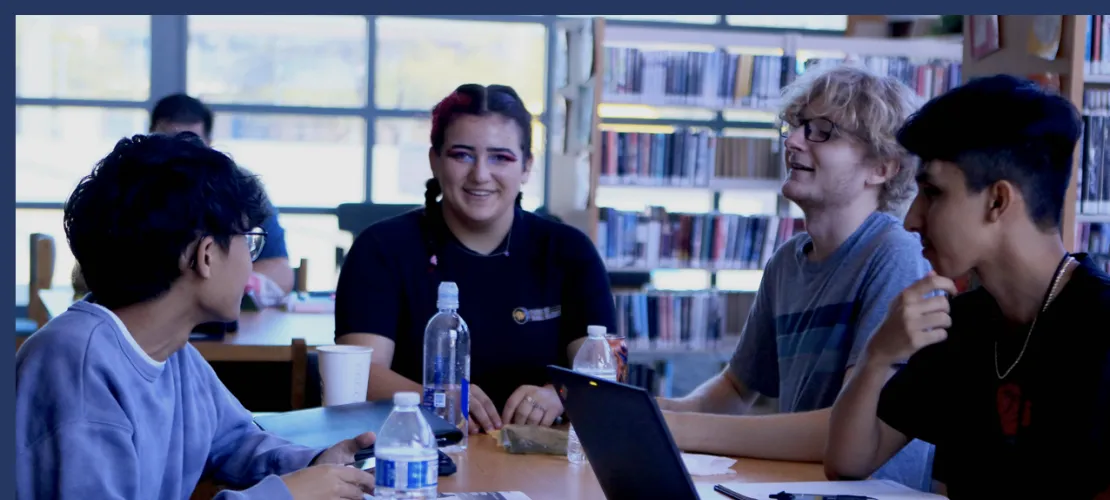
[(533, 402)]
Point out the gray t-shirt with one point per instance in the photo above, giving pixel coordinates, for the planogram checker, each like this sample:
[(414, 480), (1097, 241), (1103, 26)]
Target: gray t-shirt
[(810, 322)]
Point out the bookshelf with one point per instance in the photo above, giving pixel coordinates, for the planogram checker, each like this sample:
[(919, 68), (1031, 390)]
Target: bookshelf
[(688, 113), (683, 140), (1092, 220), (1082, 66)]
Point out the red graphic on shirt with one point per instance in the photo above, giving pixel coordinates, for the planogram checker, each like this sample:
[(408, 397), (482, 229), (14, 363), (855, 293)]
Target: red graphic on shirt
[(1010, 410)]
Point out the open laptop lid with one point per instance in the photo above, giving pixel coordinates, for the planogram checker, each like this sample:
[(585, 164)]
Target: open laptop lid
[(322, 427), (625, 438)]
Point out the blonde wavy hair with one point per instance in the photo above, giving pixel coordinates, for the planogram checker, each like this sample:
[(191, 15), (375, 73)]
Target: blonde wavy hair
[(870, 108)]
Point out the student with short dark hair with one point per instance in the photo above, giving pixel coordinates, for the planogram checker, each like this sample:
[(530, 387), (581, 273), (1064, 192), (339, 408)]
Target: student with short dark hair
[(528, 286), (182, 113), (111, 399), (1010, 381)]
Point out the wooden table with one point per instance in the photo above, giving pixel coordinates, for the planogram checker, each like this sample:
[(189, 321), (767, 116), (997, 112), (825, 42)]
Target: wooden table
[(486, 467), (268, 335), (265, 335)]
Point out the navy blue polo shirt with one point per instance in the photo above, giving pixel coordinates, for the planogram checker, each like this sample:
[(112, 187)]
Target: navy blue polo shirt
[(523, 308), (275, 237)]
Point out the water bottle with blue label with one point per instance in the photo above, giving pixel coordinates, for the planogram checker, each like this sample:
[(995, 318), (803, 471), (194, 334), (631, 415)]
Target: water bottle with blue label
[(406, 458), (447, 363)]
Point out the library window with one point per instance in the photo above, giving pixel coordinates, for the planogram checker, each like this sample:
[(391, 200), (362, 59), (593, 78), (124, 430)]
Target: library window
[(304, 161), (401, 162), (690, 19), (419, 61), (279, 60), (316, 238), (56, 146), (807, 22), (83, 57)]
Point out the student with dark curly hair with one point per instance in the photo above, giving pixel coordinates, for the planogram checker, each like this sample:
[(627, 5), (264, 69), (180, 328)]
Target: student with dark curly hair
[(111, 399), (528, 286)]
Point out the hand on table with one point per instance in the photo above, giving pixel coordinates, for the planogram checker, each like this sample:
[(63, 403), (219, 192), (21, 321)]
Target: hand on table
[(329, 482), (532, 405), (343, 452), (328, 478), (483, 414), (914, 321)]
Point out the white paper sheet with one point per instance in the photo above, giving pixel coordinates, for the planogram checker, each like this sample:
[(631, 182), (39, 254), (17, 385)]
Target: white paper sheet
[(878, 489), (707, 465)]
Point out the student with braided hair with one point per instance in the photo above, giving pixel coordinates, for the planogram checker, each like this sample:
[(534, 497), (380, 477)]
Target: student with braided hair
[(528, 285)]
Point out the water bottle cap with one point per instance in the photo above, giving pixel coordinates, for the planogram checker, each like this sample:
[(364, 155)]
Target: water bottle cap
[(448, 294), (406, 399), (596, 331)]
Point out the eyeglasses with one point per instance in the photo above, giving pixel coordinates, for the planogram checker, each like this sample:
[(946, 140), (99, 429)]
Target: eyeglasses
[(816, 129), (256, 239)]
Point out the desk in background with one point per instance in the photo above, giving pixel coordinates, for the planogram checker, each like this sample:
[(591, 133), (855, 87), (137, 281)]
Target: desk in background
[(267, 335)]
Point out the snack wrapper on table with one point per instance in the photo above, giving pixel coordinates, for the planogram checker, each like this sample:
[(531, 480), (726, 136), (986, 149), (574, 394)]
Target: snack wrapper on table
[(532, 440), (264, 291)]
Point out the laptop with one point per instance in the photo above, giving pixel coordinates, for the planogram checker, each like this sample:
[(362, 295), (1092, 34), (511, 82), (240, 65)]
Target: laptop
[(625, 438), (325, 426)]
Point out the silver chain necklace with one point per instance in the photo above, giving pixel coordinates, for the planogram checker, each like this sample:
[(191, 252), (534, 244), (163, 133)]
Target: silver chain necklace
[(1060, 270)]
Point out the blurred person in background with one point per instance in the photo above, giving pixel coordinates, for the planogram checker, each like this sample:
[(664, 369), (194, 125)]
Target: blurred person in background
[(182, 113)]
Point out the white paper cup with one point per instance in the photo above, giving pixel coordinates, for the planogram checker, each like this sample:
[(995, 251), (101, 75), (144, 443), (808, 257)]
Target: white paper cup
[(344, 373)]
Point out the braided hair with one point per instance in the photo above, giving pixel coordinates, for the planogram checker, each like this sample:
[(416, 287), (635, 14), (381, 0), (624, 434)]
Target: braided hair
[(475, 100)]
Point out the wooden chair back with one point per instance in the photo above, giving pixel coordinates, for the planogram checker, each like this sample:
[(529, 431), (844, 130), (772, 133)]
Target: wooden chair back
[(42, 276)]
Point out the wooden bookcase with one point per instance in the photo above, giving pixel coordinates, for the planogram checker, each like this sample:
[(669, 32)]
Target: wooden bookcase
[(576, 166)]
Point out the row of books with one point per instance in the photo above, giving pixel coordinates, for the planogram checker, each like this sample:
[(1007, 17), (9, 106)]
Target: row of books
[(655, 239), (660, 320), (1094, 238), (1096, 60), (929, 79), (686, 158), (1094, 173), (705, 79), (725, 80)]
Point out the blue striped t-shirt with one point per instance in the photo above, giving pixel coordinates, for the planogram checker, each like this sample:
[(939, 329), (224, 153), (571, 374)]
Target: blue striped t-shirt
[(811, 320)]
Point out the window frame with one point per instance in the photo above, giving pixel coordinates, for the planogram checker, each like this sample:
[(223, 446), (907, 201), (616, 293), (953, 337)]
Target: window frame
[(169, 41)]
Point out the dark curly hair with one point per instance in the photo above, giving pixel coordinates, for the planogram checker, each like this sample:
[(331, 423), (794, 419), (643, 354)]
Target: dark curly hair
[(130, 221)]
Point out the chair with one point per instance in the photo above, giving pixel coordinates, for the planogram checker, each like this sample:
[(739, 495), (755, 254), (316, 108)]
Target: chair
[(42, 276), (356, 217), (300, 277)]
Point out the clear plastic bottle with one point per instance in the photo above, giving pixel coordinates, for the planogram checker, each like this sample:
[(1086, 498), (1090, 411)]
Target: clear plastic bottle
[(405, 455), (594, 358), (447, 363)]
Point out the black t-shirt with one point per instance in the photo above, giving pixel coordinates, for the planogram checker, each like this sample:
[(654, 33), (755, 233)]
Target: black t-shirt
[(1044, 431), (523, 308)]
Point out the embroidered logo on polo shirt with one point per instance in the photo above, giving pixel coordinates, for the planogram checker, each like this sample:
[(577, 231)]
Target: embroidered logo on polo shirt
[(523, 315)]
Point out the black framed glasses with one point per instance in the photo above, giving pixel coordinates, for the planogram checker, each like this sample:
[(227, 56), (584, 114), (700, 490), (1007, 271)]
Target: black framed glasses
[(256, 239), (816, 129)]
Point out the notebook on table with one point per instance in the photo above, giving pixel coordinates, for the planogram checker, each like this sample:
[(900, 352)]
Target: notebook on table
[(322, 427)]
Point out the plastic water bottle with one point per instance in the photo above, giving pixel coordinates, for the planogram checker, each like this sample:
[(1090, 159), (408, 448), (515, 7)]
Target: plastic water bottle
[(447, 363), (406, 461), (594, 358)]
